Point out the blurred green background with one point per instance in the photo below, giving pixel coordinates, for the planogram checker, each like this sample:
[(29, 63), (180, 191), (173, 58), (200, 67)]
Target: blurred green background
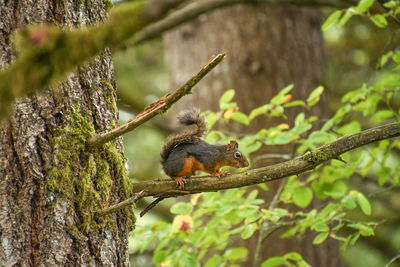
[(352, 53)]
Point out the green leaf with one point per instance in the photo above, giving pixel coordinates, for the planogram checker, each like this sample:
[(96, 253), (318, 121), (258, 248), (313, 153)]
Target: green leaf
[(302, 127), (277, 112), (379, 20), (349, 202), (350, 128), (215, 261), (295, 103), (385, 58), (159, 256), (338, 189), (320, 137), (349, 13), (382, 115), (226, 97), (246, 210), (332, 19), (237, 230), (364, 5), (364, 204), (299, 118), (314, 96), (260, 111), (249, 230), (364, 229), (396, 57), (190, 260), (337, 227), (338, 117), (182, 208), (302, 196), (291, 232), (211, 118), (281, 96), (253, 195), (250, 148), (252, 218), (274, 261), (354, 239), (226, 106), (282, 139), (240, 117), (294, 256), (321, 227), (233, 254), (263, 187), (320, 238), (383, 174), (390, 4), (368, 106)]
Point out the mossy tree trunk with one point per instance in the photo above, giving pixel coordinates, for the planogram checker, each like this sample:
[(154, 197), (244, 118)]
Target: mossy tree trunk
[(267, 48), (50, 184)]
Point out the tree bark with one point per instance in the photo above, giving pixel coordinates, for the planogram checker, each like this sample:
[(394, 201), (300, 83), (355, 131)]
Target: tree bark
[(267, 48), (50, 184)]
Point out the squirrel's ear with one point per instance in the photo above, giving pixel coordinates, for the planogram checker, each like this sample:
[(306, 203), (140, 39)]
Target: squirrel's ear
[(233, 145)]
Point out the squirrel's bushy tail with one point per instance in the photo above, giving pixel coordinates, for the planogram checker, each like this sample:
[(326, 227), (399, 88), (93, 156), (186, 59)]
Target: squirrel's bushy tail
[(188, 117)]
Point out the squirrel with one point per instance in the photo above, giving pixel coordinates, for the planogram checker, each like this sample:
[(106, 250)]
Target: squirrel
[(185, 153)]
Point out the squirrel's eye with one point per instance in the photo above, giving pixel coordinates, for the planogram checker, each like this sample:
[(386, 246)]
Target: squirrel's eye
[(237, 155)]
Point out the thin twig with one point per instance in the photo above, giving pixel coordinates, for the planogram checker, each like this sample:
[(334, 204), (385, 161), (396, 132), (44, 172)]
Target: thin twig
[(301, 164), (339, 158), (151, 205), (393, 260), (122, 204), (196, 8), (160, 197), (157, 107), (266, 228)]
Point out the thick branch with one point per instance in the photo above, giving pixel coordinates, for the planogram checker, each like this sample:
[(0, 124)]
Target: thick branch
[(49, 54), (296, 166), (160, 106)]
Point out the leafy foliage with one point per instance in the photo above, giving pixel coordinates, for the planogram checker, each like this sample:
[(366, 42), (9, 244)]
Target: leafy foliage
[(204, 229)]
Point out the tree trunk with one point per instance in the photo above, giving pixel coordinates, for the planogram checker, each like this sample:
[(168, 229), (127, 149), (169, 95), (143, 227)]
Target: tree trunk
[(267, 48), (50, 185)]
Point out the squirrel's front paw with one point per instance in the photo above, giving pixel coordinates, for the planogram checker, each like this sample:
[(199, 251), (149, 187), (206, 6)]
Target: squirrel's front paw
[(180, 182), (220, 173)]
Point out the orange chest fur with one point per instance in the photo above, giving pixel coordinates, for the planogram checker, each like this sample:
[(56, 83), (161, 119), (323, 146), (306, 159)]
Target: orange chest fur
[(191, 166)]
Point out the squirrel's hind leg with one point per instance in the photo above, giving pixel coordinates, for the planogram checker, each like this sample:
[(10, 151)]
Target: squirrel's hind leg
[(180, 182)]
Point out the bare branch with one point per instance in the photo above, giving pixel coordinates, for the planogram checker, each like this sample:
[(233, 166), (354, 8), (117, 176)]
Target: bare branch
[(296, 166), (122, 204), (172, 193), (395, 258), (158, 107)]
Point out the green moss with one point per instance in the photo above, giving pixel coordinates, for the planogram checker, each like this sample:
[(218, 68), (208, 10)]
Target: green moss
[(109, 97), (87, 179), (317, 156), (75, 233), (109, 4), (52, 52)]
